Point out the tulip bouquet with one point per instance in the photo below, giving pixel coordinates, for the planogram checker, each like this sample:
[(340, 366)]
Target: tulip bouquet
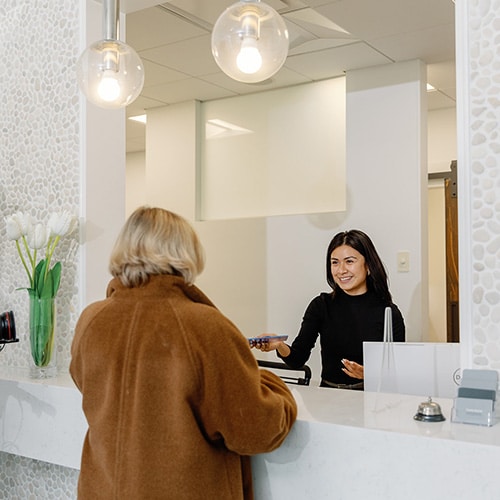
[(44, 276)]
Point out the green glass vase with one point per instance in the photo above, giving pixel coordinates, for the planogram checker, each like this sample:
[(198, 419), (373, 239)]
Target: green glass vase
[(42, 326)]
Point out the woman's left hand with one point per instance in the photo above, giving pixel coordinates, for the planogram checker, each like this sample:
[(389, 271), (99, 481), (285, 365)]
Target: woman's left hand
[(353, 369)]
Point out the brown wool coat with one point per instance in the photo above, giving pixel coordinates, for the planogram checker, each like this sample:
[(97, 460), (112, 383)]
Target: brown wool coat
[(173, 396)]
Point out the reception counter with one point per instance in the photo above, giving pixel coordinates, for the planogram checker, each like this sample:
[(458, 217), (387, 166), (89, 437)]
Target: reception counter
[(345, 444), (353, 445)]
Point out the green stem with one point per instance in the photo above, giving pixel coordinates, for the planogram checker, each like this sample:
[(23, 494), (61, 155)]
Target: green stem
[(28, 253), (42, 323), (51, 246), (24, 263)]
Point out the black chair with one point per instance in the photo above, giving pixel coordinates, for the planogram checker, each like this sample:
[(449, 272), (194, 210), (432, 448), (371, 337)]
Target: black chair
[(305, 380)]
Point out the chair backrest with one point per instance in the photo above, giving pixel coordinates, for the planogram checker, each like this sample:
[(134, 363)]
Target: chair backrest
[(288, 378)]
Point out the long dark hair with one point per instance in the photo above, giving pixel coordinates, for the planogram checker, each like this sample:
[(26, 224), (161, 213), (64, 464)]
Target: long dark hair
[(377, 279)]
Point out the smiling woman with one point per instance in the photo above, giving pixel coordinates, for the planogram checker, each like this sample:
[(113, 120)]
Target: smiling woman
[(349, 269), (352, 313)]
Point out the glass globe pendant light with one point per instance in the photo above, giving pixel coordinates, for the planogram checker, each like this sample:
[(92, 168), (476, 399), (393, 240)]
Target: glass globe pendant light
[(250, 41), (110, 73)]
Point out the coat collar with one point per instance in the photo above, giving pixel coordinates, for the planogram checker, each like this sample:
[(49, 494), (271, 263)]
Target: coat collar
[(158, 285)]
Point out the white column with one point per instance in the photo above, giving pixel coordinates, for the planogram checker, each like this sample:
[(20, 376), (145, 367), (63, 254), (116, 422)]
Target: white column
[(387, 176), (103, 178)]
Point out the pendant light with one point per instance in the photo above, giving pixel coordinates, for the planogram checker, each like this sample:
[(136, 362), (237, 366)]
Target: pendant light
[(250, 41), (110, 73)]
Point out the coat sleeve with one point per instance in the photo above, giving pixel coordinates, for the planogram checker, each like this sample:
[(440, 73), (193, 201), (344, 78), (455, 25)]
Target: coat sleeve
[(245, 408), (77, 362)]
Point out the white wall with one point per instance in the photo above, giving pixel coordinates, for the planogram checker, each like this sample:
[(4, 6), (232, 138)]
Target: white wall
[(277, 152), (387, 176), (442, 139), (172, 158), (234, 277), (135, 181)]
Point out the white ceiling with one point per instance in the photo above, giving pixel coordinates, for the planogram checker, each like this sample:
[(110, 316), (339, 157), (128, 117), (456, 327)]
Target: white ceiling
[(327, 38)]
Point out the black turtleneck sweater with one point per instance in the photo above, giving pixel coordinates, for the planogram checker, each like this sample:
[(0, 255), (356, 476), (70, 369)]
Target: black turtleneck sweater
[(343, 324)]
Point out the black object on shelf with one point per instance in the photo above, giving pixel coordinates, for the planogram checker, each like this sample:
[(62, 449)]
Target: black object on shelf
[(7, 329)]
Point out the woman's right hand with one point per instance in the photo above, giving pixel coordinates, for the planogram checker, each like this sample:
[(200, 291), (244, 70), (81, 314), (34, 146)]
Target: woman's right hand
[(271, 345), (267, 343)]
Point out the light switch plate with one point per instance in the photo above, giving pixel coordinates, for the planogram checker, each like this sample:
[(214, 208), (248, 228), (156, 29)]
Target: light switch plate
[(403, 262)]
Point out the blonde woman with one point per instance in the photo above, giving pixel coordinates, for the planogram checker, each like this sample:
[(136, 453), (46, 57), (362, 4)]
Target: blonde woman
[(173, 396)]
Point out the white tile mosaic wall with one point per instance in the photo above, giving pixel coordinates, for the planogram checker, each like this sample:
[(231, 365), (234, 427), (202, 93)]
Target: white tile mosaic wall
[(39, 174), (25, 479), (39, 153), (484, 66)]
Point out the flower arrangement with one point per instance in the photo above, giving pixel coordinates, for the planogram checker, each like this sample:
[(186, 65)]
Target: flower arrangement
[(30, 237), (33, 238)]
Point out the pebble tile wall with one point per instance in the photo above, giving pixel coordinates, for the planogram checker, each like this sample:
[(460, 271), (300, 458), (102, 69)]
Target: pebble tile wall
[(25, 479), (39, 153), (39, 174), (484, 67)]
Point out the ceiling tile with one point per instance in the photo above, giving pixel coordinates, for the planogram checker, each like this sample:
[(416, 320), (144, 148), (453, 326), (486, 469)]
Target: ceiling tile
[(192, 56), (141, 104), (438, 100), (186, 90), (155, 27), (442, 75), (284, 78), (368, 19), (156, 74), (434, 44), (334, 62)]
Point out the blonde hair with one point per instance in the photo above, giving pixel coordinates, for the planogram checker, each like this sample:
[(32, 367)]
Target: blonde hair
[(156, 241)]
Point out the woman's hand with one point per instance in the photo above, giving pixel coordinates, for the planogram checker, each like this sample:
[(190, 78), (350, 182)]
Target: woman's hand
[(353, 369), (272, 345)]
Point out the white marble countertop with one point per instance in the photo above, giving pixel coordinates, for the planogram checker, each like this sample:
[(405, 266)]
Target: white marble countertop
[(387, 412), (354, 445), (43, 419), (63, 379)]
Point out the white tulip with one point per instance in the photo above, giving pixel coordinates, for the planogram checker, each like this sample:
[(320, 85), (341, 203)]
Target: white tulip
[(61, 224), (39, 237), (26, 222), (18, 225), (13, 228)]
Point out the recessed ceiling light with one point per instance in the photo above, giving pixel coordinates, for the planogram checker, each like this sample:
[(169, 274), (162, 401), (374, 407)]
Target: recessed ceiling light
[(138, 118)]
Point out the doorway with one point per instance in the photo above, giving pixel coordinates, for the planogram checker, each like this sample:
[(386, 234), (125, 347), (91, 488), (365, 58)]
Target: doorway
[(443, 252)]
